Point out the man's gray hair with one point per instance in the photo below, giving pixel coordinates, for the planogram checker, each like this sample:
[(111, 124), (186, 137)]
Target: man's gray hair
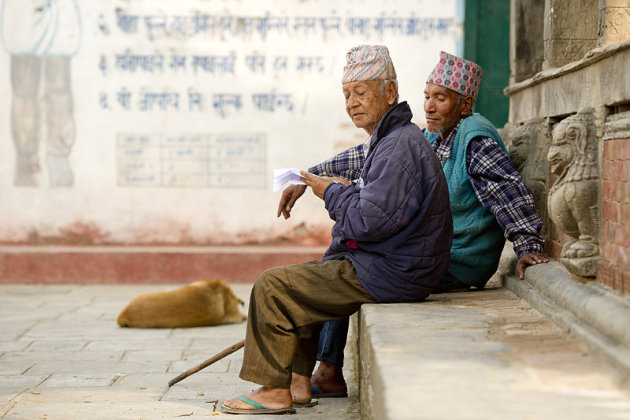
[(384, 85)]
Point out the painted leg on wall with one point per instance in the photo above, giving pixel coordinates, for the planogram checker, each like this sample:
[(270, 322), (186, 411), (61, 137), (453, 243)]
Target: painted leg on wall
[(25, 118), (61, 127)]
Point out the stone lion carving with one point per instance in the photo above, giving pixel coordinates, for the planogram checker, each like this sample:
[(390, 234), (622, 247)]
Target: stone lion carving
[(528, 152), (573, 203)]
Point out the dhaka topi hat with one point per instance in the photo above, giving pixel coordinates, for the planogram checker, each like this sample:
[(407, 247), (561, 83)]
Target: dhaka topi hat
[(458, 74), (368, 62)]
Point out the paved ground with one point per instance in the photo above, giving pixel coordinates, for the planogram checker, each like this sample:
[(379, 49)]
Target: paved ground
[(62, 356), (481, 355)]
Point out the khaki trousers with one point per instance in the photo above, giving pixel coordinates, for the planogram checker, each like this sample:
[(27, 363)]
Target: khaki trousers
[(287, 306)]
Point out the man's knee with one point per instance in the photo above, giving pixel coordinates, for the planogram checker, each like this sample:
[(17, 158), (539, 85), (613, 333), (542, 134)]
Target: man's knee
[(268, 280)]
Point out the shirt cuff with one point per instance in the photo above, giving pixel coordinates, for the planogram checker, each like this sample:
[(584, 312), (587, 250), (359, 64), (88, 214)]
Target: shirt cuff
[(316, 170), (527, 245)]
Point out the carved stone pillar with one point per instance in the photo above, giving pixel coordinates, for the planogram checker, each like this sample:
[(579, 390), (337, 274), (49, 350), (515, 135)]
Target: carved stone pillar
[(574, 199), (528, 152), (570, 30), (526, 38)]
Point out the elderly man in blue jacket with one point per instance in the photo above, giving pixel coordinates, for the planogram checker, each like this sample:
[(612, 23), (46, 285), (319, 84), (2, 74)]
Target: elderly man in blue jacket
[(390, 243)]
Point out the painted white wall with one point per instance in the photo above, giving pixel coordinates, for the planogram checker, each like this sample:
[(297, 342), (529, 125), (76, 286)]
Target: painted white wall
[(181, 171)]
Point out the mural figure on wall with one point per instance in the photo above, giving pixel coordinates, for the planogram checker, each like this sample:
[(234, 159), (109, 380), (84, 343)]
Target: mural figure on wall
[(574, 198), (528, 152), (41, 36)]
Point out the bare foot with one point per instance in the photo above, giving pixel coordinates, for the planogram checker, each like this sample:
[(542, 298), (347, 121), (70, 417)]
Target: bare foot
[(329, 378), (300, 388), (266, 396)]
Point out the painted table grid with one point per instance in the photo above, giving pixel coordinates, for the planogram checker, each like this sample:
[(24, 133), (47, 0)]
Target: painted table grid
[(192, 160)]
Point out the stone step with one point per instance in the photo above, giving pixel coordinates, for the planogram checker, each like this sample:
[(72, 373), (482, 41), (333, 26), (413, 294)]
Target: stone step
[(145, 264), (478, 355)]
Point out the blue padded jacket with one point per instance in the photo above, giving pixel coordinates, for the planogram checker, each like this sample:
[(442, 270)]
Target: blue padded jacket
[(398, 213)]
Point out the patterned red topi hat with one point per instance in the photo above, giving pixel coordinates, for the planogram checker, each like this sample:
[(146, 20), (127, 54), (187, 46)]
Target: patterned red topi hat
[(458, 74)]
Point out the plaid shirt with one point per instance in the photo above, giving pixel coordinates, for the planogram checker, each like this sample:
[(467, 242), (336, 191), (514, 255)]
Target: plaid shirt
[(496, 182), (347, 164)]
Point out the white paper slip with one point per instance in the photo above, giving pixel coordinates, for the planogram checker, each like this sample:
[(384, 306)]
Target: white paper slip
[(286, 176)]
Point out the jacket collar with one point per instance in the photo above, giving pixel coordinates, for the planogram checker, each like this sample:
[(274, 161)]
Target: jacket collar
[(398, 116)]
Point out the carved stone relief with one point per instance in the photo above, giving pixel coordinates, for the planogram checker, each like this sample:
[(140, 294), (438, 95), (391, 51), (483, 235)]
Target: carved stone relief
[(528, 152), (573, 203)]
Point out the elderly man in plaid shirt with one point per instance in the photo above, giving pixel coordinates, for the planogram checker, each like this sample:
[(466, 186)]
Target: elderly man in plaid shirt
[(489, 201)]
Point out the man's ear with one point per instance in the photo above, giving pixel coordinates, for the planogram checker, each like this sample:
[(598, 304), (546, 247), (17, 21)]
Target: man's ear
[(466, 105), (392, 92)]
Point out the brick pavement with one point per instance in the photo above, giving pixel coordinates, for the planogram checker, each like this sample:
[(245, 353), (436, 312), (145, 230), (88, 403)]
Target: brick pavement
[(481, 355), (62, 356)]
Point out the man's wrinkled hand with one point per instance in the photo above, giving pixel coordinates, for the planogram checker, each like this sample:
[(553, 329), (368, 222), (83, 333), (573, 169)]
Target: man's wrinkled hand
[(317, 183), (527, 260), (288, 199)]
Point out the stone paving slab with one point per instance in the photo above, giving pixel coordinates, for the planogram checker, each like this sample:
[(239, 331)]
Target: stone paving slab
[(480, 355), (62, 356)]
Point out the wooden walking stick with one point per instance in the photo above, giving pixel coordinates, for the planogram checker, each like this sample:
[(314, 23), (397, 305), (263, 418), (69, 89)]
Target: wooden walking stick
[(208, 362)]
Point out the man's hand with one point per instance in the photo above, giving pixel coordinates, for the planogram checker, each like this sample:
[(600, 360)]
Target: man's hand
[(319, 183), (529, 259), (288, 199)]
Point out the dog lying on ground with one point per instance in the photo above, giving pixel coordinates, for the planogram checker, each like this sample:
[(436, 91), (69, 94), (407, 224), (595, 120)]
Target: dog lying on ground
[(202, 303)]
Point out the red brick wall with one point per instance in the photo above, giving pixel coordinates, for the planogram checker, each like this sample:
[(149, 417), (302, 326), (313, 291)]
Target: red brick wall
[(614, 267)]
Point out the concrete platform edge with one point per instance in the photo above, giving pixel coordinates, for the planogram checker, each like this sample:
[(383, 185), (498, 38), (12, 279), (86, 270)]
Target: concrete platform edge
[(371, 389)]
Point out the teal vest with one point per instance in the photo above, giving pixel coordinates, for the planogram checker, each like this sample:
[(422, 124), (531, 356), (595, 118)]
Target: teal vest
[(477, 237)]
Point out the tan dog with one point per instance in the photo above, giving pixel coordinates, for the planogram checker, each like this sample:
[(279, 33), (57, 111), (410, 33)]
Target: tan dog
[(202, 303)]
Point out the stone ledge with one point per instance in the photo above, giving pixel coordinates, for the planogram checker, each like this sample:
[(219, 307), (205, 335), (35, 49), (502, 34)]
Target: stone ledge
[(617, 126), (405, 349), (590, 58), (593, 82), (595, 314), (477, 355)]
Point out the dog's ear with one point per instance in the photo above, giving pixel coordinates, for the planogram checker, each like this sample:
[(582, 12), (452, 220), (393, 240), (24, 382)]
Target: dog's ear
[(230, 293)]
